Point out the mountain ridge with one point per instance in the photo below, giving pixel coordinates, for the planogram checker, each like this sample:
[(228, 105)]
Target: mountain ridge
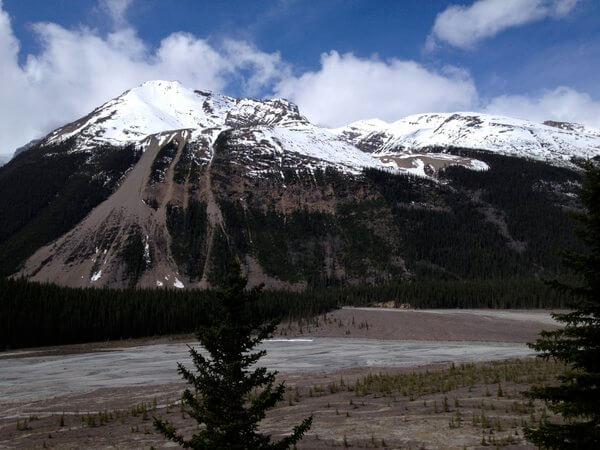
[(166, 186), (160, 106), (556, 144)]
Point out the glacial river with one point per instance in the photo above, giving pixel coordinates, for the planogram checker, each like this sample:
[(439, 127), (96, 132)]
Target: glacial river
[(38, 377)]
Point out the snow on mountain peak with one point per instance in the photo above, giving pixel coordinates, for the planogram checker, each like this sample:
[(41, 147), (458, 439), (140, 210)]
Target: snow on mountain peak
[(158, 106), (504, 135)]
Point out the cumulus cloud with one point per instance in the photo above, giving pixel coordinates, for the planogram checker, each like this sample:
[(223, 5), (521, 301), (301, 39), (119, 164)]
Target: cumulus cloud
[(463, 26), (79, 69), (117, 11), (348, 88), (263, 67), (562, 104)]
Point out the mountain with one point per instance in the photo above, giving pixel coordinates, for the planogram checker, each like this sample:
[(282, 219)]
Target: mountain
[(553, 142), (166, 186)]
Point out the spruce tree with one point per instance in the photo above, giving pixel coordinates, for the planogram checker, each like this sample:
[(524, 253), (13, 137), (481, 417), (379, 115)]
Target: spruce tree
[(576, 397), (228, 397)]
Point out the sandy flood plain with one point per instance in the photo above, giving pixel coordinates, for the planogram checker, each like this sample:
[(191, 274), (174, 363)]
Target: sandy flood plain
[(464, 416), (487, 325)]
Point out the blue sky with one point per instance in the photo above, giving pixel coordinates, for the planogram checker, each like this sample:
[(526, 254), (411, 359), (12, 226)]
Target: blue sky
[(340, 60)]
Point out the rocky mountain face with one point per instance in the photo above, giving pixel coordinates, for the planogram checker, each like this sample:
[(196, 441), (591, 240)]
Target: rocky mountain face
[(166, 187)]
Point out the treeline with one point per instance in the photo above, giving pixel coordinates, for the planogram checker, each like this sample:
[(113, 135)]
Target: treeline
[(34, 314), (509, 293)]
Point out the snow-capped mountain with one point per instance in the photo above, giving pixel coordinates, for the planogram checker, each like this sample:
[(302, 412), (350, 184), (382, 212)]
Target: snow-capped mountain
[(278, 128), (160, 106), (164, 186), (554, 142)]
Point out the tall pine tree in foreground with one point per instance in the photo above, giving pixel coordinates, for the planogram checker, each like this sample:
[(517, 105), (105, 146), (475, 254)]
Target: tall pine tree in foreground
[(577, 396), (228, 398)]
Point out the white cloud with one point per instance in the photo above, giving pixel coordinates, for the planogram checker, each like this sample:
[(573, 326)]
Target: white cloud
[(562, 104), (348, 88), (79, 69), (117, 11), (263, 67), (463, 26)]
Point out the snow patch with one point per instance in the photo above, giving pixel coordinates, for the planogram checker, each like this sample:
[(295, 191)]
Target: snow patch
[(96, 276), (479, 166), (147, 252)]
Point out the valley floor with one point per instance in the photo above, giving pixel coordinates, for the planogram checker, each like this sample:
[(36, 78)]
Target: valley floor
[(488, 325), (429, 406)]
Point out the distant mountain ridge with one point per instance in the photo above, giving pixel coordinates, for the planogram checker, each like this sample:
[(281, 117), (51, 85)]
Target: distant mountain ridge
[(161, 106), (554, 142), (164, 186)]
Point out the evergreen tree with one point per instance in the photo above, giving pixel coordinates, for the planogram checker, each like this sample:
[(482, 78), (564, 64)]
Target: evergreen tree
[(228, 399), (577, 396)]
